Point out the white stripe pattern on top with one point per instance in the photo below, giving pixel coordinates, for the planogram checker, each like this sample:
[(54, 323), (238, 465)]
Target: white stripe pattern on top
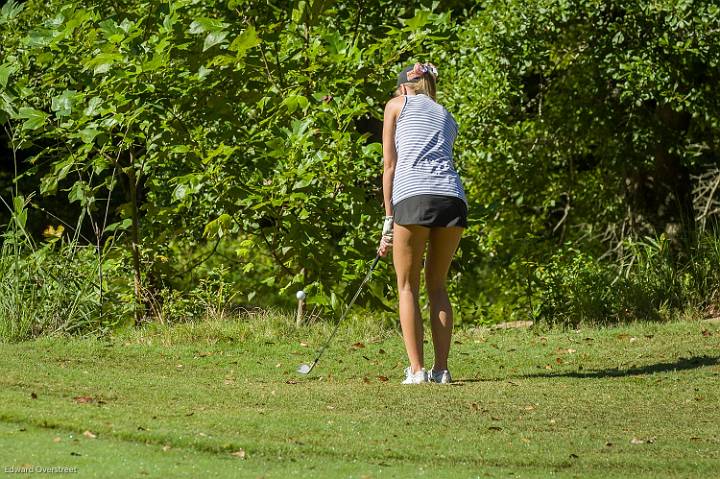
[(424, 136)]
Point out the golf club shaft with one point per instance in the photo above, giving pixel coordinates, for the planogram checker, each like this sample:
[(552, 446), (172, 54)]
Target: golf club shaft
[(352, 301)]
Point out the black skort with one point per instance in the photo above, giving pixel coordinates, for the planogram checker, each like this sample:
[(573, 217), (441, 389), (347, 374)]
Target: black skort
[(431, 211)]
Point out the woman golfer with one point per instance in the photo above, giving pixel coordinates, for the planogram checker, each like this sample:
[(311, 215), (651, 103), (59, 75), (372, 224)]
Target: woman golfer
[(425, 205)]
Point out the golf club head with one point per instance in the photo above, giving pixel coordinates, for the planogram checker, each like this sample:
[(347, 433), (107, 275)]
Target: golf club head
[(304, 369)]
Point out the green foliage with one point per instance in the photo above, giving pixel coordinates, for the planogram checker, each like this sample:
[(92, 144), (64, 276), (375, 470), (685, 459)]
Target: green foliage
[(195, 138), (48, 288)]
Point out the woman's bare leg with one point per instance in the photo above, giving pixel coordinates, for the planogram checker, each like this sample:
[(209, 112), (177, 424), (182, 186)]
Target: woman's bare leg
[(408, 249), (443, 244)]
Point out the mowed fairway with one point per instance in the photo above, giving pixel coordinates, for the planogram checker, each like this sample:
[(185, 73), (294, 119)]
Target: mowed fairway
[(223, 400)]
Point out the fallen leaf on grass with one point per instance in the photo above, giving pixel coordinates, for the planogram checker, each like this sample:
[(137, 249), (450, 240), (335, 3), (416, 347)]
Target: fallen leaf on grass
[(166, 448), (547, 366), (33, 395), (366, 380), (559, 360), (83, 399), (357, 346), (706, 333), (383, 378), (649, 440), (290, 381), (381, 351), (239, 453), (565, 351), (57, 439), (530, 408), (304, 344), (90, 435)]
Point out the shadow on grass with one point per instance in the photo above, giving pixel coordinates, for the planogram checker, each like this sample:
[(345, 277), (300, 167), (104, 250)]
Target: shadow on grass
[(681, 364)]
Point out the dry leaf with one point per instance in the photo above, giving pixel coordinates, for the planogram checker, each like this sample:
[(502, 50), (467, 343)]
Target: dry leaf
[(547, 366), (239, 453), (706, 333), (304, 344), (383, 378), (166, 447), (475, 406), (290, 381), (565, 351), (559, 360), (89, 434), (530, 408), (366, 380), (83, 399), (649, 440), (381, 351), (357, 346), (33, 395), (56, 439)]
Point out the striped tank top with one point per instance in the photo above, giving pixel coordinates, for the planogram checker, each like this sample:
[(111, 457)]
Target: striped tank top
[(424, 137)]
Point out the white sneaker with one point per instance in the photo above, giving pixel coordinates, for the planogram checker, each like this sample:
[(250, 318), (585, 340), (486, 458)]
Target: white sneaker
[(415, 378), (440, 377)]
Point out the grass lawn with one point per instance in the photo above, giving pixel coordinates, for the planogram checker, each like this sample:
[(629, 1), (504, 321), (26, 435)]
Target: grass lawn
[(223, 400)]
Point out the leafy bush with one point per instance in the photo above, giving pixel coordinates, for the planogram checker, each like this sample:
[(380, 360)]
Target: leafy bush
[(50, 288), (233, 147)]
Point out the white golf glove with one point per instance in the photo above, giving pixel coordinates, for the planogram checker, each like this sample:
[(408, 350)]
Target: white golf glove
[(387, 231)]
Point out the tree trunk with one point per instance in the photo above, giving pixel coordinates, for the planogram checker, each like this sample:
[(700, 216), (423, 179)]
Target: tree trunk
[(135, 235)]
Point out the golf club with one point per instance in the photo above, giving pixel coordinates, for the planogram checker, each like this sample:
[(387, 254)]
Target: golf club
[(306, 368)]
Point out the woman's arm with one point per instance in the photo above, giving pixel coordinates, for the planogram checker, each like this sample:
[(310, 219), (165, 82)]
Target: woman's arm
[(392, 111)]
